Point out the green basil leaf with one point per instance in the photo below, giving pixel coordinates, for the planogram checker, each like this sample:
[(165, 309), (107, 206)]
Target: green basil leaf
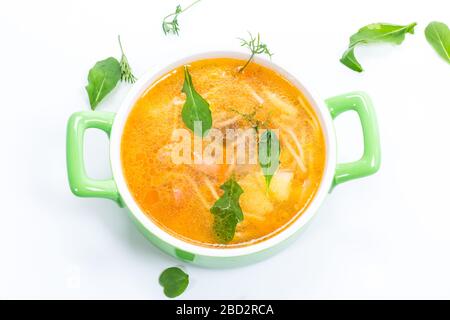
[(268, 154), (438, 36), (373, 33), (227, 211), (102, 78), (195, 109), (174, 281)]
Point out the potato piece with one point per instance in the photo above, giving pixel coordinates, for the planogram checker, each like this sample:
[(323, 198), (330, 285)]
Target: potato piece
[(280, 185), (254, 201)]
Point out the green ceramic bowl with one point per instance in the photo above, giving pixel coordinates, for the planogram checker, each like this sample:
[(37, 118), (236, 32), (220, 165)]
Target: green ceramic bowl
[(116, 188)]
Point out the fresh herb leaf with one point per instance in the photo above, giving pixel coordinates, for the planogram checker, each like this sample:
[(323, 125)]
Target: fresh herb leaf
[(227, 211), (126, 72), (102, 79), (251, 118), (195, 109), (438, 36), (372, 33), (174, 281), (256, 47), (350, 61), (268, 154), (171, 26)]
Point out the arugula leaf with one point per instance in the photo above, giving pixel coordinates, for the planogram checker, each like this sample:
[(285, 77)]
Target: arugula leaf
[(438, 36), (174, 281), (268, 154), (102, 79), (350, 61), (195, 109), (227, 211), (372, 33)]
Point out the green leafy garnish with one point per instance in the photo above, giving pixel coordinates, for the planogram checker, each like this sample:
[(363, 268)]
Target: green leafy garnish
[(195, 109), (104, 76), (227, 211), (174, 281), (171, 26), (126, 72), (268, 154), (250, 118), (256, 47), (372, 33), (102, 79), (438, 36)]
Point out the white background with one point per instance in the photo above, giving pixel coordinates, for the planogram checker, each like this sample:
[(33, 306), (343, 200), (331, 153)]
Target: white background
[(386, 236)]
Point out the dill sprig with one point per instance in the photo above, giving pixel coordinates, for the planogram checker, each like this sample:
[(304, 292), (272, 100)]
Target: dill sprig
[(256, 47), (126, 74), (172, 26), (251, 118)]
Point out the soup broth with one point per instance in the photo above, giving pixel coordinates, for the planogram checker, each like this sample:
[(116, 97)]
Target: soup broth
[(178, 197)]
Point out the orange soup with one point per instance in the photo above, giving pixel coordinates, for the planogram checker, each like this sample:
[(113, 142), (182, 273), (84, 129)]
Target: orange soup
[(179, 197)]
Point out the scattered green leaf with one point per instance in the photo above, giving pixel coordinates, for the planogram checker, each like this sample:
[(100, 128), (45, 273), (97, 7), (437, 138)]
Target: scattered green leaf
[(126, 72), (227, 211), (438, 36), (102, 79), (372, 33), (256, 47), (171, 26), (174, 281), (195, 109), (350, 61), (268, 154)]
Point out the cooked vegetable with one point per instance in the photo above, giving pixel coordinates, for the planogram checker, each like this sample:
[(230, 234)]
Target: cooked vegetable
[(280, 186), (255, 201)]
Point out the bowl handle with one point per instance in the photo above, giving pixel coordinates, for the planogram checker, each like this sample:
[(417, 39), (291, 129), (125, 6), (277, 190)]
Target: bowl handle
[(80, 184), (370, 161)]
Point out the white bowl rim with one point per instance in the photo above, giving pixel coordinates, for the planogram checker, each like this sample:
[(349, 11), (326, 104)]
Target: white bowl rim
[(115, 144)]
